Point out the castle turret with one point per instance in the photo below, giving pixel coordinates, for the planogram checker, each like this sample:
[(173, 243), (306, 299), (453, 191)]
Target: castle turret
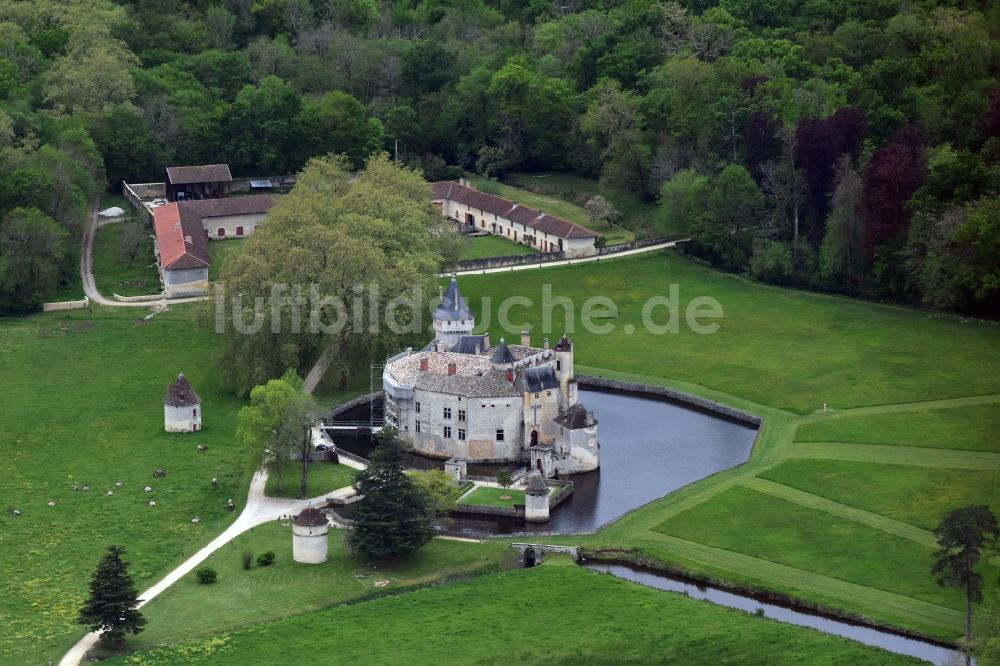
[(564, 371), (452, 318), (503, 360), (309, 536)]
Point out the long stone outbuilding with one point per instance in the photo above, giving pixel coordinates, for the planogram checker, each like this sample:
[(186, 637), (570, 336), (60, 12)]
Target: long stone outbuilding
[(501, 217)]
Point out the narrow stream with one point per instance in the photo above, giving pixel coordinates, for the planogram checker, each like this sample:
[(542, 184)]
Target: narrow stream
[(936, 654)]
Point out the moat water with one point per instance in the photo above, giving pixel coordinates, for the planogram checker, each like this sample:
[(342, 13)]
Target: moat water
[(649, 448), (936, 654)]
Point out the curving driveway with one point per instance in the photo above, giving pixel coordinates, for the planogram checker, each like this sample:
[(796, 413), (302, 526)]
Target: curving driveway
[(259, 509)]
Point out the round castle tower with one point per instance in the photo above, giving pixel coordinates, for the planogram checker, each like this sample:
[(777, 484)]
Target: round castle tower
[(452, 318), (310, 531)]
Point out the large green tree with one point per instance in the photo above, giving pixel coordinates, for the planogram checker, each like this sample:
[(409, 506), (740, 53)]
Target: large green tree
[(963, 537), (273, 426), (112, 607), (32, 248), (393, 520)]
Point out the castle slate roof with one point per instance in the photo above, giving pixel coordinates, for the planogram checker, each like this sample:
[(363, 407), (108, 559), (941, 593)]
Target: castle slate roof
[(468, 344), (538, 378), (310, 517), (204, 173), (180, 393), (536, 486), (204, 208), (576, 417), (502, 355), (453, 306), (491, 384), (529, 217)]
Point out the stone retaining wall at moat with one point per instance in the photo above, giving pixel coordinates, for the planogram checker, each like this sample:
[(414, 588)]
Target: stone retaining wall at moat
[(633, 388)]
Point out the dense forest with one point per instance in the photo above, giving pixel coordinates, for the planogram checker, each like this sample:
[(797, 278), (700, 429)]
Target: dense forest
[(845, 145)]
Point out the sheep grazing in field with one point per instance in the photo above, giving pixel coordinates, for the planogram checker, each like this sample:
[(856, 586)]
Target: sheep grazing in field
[(195, 520), (202, 448), (159, 473), (110, 493), (152, 503), (119, 483), (86, 488), (16, 512), (52, 502), (215, 482), (77, 487), (230, 505), (147, 489)]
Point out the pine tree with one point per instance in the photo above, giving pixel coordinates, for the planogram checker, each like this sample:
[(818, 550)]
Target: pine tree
[(392, 520), (113, 602)]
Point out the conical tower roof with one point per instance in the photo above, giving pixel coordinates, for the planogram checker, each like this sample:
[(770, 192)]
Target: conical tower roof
[(180, 393), (536, 486), (453, 306), (502, 355)]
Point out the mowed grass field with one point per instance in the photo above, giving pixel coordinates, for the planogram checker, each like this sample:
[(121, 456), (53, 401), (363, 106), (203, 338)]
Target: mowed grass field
[(494, 497), (790, 350), (585, 618), (557, 207), (323, 477), (835, 506), (243, 597), (83, 404), (483, 247)]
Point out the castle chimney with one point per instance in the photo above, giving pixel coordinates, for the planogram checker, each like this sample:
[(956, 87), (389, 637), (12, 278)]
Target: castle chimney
[(525, 339), (478, 349), (510, 376), (423, 364), (546, 343), (451, 368), (486, 341), (440, 293), (187, 239)]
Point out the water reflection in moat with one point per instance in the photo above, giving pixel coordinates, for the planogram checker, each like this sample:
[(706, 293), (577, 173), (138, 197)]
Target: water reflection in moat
[(649, 448)]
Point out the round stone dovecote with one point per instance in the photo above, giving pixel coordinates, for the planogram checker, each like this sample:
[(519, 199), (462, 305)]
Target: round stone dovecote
[(181, 407), (536, 499), (310, 531)]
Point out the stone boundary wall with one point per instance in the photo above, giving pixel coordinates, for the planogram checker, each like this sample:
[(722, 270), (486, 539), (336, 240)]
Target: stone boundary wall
[(514, 260), (337, 410), (565, 489), (66, 305), (636, 244), (517, 511), (672, 395), (139, 299)]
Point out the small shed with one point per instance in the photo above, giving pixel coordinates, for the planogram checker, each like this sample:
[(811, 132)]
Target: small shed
[(181, 407), (310, 530), (204, 181)]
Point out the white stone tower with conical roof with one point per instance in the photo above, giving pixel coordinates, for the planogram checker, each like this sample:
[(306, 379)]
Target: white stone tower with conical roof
[(452, 317)]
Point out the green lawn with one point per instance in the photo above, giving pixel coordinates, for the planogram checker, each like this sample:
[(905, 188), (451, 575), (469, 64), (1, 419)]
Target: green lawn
[(490, 620), (493, 497), (920, 496), (636, 213), (558, 207), (244, 597), (83, 404), (112, 273), (483, 247), (793, 535), (324, 477), (786, 349), (974, 428), (219, 252)]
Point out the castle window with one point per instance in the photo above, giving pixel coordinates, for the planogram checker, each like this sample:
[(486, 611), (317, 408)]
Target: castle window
[(447, 412), (500, 435), (416, 426), (461, 434), (416, 407), (548, 393), (447, 432), (536, 396), (558, 366), (461, 415)]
